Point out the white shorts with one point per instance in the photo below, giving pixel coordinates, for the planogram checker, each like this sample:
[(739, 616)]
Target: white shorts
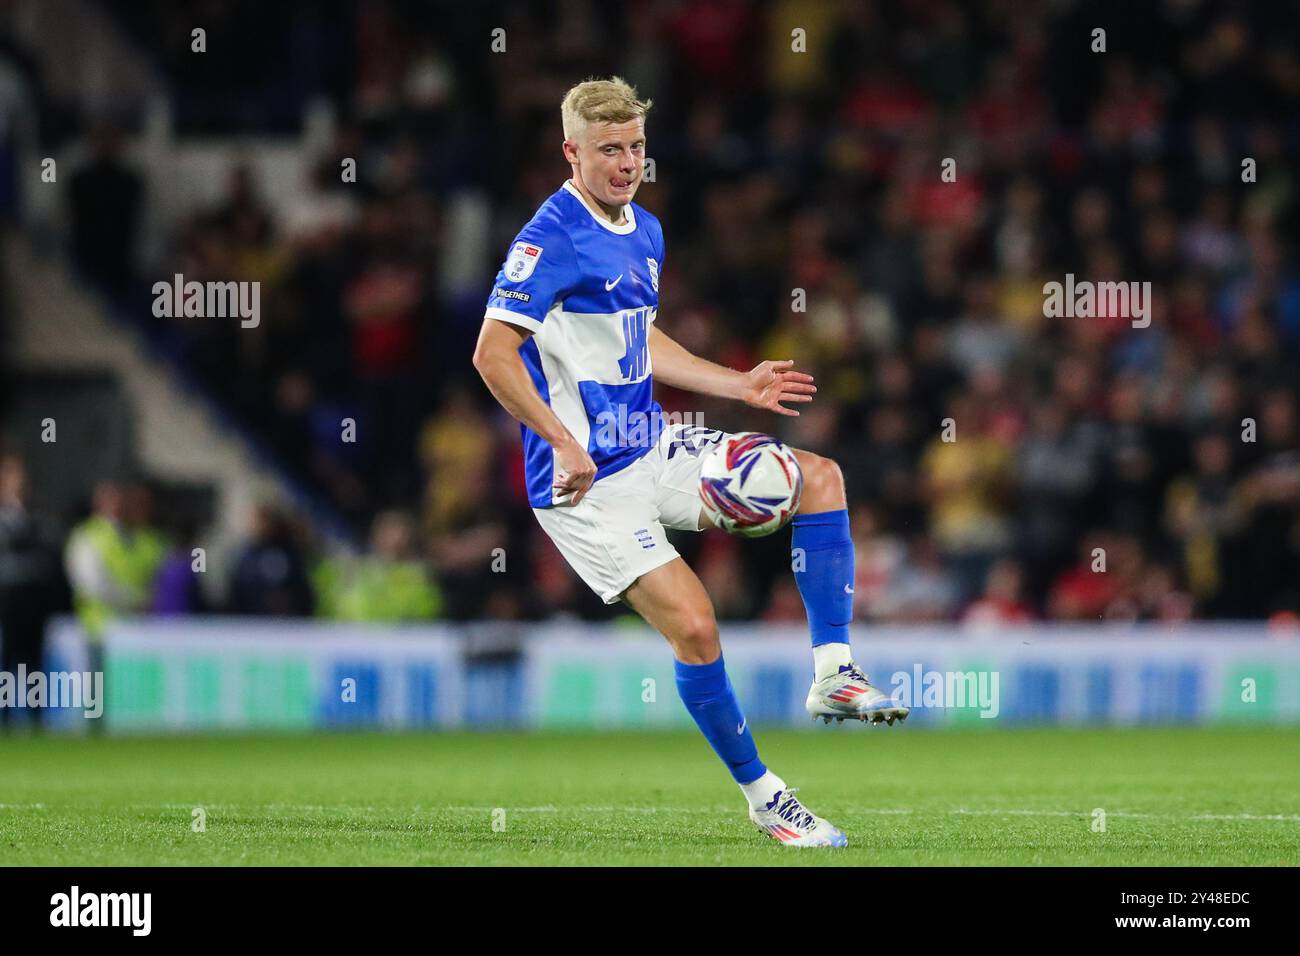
[(615, 533)]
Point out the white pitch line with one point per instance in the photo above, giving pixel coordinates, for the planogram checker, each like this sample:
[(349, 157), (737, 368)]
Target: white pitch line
[(588, 808), (960, 811)]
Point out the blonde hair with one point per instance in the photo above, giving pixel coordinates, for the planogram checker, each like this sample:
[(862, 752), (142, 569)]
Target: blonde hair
[(600, 101)]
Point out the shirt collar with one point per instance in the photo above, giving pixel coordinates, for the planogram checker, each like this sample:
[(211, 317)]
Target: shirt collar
[(623, 230)]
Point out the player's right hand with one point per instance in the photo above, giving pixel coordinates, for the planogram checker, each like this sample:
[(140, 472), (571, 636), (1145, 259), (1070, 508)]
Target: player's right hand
[(574, 470)]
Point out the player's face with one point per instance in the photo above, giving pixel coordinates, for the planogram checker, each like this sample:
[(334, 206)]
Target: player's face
[(610, 158)]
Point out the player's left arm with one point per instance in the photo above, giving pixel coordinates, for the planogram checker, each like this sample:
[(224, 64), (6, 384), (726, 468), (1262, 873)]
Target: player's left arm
[(766, 385)]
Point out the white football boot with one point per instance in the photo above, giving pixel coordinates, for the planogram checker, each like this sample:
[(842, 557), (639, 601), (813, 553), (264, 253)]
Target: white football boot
[(850, 694), (789, 822)]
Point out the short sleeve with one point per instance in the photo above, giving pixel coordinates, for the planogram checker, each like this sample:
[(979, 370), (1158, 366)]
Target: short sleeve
[(539, 270)]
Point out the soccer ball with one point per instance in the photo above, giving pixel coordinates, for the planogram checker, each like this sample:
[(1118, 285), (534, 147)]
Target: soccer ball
[(751, 484)]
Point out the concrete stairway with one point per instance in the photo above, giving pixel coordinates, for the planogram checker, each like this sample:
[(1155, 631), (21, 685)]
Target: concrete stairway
[(59, 325)]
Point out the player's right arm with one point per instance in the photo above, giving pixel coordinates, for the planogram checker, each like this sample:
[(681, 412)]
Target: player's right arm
[(539, 270), (496, 357)]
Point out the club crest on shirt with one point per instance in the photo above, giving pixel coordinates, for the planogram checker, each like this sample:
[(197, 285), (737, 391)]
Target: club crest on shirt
[(522, 261), (654, 272)]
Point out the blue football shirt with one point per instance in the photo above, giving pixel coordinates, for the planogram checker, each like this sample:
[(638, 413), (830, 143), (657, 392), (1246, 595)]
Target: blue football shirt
[(588, 290)]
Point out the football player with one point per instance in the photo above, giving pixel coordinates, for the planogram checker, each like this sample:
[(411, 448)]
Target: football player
[(568, 346)]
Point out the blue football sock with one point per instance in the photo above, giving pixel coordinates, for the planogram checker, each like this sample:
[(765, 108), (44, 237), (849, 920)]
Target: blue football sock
[(706, 691), (826, 579)]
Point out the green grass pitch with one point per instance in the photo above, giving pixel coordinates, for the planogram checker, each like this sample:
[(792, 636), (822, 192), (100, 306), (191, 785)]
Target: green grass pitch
[(1187, 796)]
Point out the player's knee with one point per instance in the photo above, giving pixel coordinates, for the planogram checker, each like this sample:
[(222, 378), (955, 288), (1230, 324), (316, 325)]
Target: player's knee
[(696, 640), (823, 480)]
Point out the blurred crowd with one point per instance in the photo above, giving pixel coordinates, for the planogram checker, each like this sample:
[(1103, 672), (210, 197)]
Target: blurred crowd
[(124, 558), (1098, 471)]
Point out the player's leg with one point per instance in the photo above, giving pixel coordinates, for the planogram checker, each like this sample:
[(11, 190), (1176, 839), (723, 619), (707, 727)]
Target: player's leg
[(616, 544), (823, 561), (673, 601), (822, 558)]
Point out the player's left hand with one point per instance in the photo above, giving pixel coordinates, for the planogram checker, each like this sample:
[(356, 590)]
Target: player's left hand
[(768, 384)]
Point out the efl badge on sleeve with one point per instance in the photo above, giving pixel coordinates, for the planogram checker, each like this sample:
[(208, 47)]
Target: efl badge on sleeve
[(654, 272), (522, 261)]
